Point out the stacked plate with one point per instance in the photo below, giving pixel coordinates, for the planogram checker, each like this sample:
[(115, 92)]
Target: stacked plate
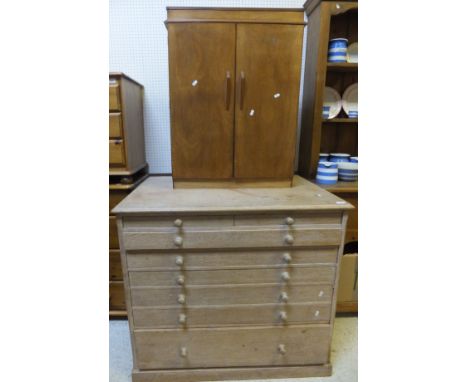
[(348, 171)]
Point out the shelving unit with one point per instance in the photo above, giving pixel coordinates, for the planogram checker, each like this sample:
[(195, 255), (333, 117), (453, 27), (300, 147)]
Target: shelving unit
[(328, 20)]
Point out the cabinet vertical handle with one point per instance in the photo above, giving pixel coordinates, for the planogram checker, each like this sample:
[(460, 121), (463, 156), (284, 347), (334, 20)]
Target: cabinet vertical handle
[(227, 94), (241, 90)]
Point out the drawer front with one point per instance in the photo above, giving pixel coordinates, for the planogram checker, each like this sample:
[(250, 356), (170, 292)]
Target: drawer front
[(230, 294), (115, 197), (113, 234), (231, 315), (176, 223), (229, 260), (116, 295), (319, 273), (115, 125), (291, 219), (231, 347), (114, 96), (115, 265), (234, 238), (116, 152)]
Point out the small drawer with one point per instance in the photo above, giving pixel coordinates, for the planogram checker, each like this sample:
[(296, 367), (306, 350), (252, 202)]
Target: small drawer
[(233, 238), (289, 219), (230, 259), (176, 223), (116, 152), (115, 266), (116, 295), (230, 294), (285, 276), (232, 347), (114, 95), (113, 234), (115, 126), (213, 316)]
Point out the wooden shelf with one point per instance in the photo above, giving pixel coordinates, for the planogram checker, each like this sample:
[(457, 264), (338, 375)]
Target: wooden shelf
[(340, 120), (340, 187), (342, 66)]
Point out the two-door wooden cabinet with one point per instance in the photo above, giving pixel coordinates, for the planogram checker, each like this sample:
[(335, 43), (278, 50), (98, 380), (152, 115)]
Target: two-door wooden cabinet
[(234, 88), (230, 283)]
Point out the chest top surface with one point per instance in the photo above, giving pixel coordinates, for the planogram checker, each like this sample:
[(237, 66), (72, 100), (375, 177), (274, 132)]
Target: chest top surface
[(157, 196)]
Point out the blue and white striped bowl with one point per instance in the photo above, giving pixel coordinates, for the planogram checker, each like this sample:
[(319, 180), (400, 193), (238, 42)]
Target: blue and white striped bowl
[(327, 173), (339, 157), (348, 171), (323, 157), (353, 159), (353, 114), (338, 50)]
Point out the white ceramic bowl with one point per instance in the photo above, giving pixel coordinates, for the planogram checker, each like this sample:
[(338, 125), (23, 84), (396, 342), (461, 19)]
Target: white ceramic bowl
[(347, 166)]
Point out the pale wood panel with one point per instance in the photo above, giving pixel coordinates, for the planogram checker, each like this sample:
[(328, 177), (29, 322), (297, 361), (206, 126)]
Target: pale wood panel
[(230, 294), (232, 238), (212, 316), (281, 220), (232, 347), (116, 152), (201, 57), (317, 273), (115, 125), (114, 96), (228, 374), (228, 260), (113, 235), (156, 196), (231, 183), (269, 56), (168, 223), (293, 16)]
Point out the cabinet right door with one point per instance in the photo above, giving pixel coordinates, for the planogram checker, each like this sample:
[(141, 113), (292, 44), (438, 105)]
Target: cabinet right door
[(268, 67)]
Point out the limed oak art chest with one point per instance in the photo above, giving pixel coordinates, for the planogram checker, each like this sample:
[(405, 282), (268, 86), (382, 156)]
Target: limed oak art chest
[(230, 283)]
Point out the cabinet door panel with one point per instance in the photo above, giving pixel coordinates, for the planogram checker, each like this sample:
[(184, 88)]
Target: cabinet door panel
[(269, 58), (201, 59)]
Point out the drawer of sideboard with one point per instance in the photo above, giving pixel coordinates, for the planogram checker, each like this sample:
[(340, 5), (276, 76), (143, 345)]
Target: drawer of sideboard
[(233, 238), (116, 152), (230, 315), (115, 126), (292, 219), (284, 275), (229, 259), (176, 224), (114, 95), (113, 234), (230, 294), (231, 347)]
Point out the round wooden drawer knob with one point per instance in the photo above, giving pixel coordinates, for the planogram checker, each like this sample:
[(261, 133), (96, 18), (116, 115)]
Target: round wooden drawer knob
[(178, 222), (283, 316), (288, 239), (181, 299), (287, 258), (182, 318), (284, 296), (179, 260), (183, 351), (285, 276), (181, 280), (317, 313), (289, 220), (282, 348), (178, 241)]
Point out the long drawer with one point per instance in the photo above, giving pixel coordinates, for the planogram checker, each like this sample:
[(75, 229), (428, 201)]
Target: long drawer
[(230, 294), (233, 238), (229, 259), (300, 274), (231, 315), (116, 152), (115, 126), (114, 96), (230, 347)]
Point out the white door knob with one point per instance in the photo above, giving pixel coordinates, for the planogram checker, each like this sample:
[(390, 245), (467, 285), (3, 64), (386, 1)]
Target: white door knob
[(182, 318), (283, 316), (282, 348), (180, 280), (287, 257), (284, 296), (178, 241), (289, 220), (179, 260), (285, 276), (288, 239), (181, 299), (178, 222), (183, 351)]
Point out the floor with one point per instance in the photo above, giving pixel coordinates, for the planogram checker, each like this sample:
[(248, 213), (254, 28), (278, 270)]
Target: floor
[(344, 352)]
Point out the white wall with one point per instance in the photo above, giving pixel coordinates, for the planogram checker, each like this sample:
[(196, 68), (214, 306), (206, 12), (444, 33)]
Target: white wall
[(138, 47)]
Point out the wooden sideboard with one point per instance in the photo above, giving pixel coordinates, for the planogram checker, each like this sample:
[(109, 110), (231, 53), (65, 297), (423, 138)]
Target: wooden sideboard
[(230, 283), (234, 77)]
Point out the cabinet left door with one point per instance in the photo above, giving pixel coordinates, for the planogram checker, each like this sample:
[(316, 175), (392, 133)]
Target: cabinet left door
[(201, 81)]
